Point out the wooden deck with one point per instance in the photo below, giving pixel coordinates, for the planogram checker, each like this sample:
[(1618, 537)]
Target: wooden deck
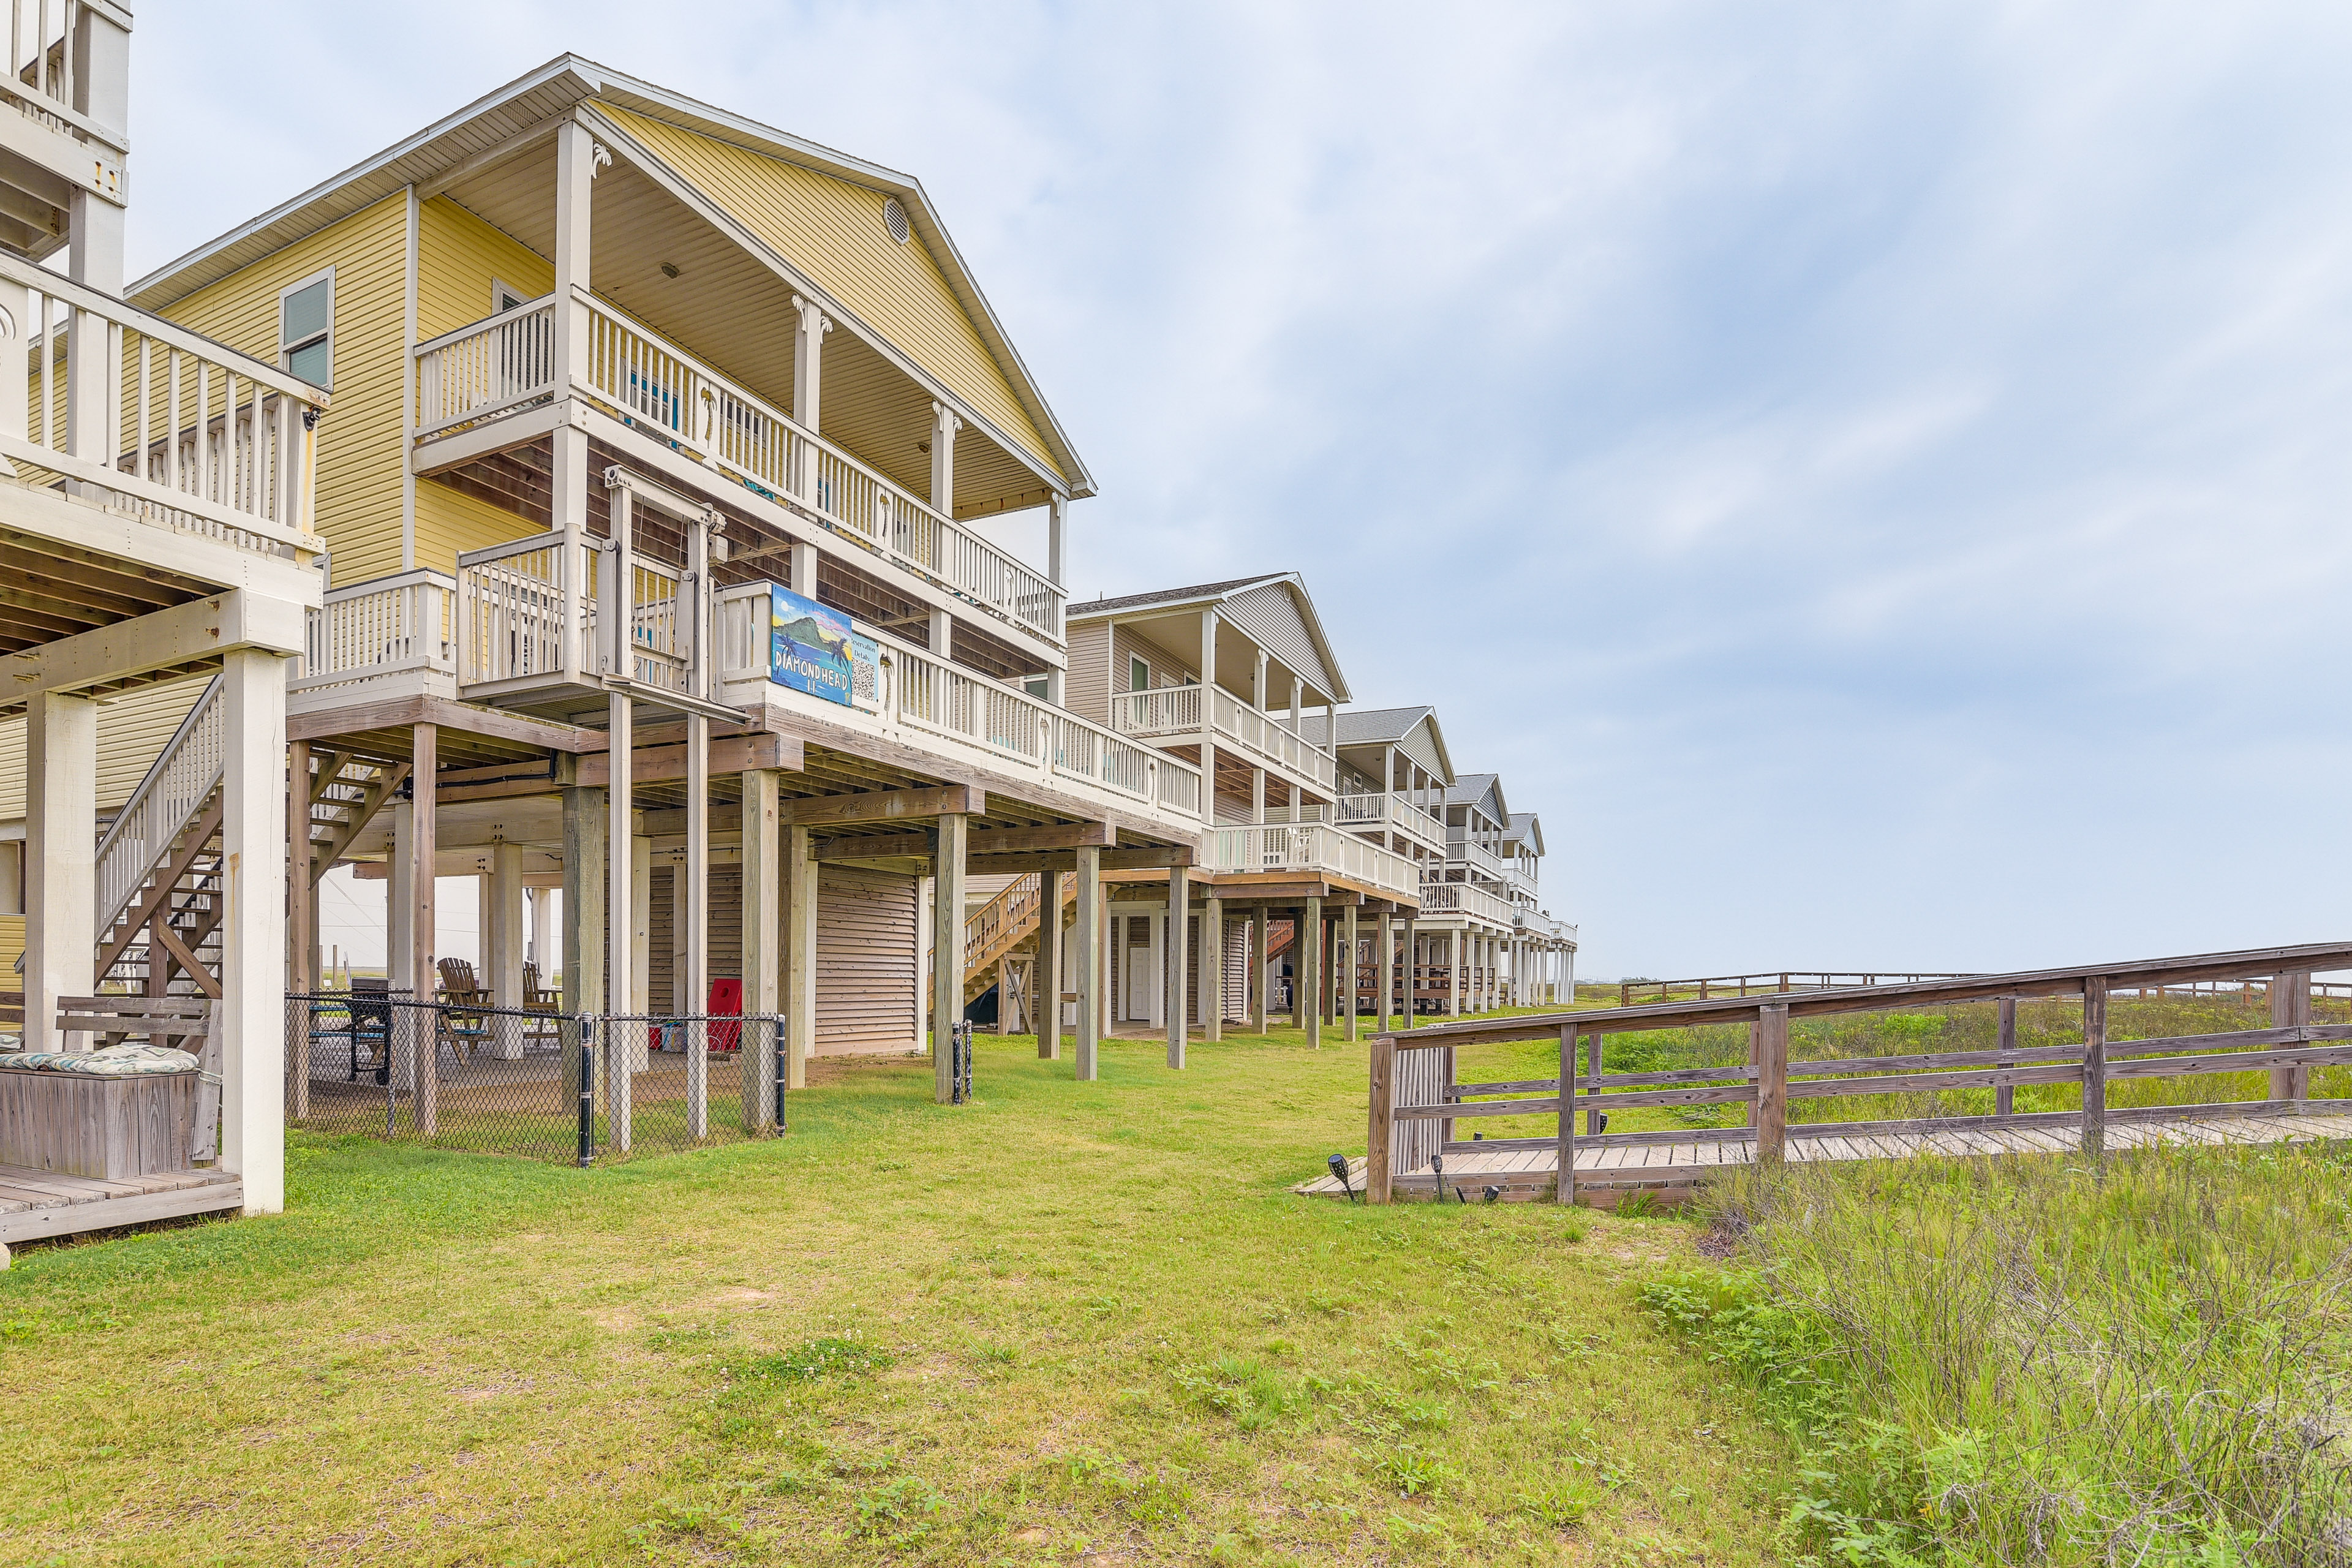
[(36, 1204), (1673, 1170)]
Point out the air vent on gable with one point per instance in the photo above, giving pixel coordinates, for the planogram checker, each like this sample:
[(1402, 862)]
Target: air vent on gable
[(894, 218)]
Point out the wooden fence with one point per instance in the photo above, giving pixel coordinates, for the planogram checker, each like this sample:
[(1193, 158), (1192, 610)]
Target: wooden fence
[(1412, 1092)]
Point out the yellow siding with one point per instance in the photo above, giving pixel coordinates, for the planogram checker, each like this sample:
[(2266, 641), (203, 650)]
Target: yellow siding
[(834, 229), (360, 442), (12, 948), (458, 258), (132, 730), (448, 523)]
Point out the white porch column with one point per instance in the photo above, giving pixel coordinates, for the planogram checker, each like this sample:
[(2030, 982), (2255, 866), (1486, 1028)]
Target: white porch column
[(762, 943), (1179, 970), (944, 425), (641, 928), (1257, 796), (60, 860), (575, 172), (253, 928), (1258, 695), (1057, 542), (808, 363), (1090, 961), (802, 889), (942, 632), (1209, 716), (503, 947), (1155, 1002)]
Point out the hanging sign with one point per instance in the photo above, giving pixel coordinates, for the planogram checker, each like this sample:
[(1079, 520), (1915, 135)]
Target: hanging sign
[(810, 648)]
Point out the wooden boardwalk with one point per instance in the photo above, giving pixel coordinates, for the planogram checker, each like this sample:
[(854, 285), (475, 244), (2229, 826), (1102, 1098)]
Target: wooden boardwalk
[(1606, 1173), (36, 1204)]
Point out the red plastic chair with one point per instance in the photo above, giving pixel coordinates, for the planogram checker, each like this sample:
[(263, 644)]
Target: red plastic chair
[(726, 1001)]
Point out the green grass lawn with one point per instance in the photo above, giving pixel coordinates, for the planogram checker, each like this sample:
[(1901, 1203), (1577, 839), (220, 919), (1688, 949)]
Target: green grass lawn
[(1070, 1321)]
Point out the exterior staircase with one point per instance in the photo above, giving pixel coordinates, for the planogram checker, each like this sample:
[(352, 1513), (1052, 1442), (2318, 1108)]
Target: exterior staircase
[(1006, 926), (159, 861)]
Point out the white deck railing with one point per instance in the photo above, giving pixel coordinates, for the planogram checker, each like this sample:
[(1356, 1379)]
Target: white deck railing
[(155, 419), (47, 73), (929, 695), (1482, 863), (510, 610), (1173, 711), (1363, 811), (178, 782), (491, 366), (1312, 847), (382, 627), (1465, 898), (507, 361)]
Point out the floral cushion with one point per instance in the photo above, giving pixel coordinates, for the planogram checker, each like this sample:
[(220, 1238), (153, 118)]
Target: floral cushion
[(108, 1061)]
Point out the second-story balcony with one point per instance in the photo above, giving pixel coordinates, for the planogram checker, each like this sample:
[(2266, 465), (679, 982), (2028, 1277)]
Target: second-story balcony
[(1173, 715), (1469, 900), (1482, 863), (508, 363), (1391, 813), (1317, 849)]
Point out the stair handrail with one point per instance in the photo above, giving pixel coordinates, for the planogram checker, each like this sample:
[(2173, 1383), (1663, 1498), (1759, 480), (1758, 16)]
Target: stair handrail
[(178, 782), (1013, 902)]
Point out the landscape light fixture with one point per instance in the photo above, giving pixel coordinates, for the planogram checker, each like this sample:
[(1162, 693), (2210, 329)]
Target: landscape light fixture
[(1338, 1163)]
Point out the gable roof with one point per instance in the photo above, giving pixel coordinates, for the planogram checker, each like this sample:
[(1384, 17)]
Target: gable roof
[(557, 89), (1524, 825), (1473, 789), (1385, 727), (1273, 608)]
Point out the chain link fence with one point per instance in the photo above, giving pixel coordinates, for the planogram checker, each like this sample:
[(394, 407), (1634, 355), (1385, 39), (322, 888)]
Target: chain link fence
[(533, 1082)]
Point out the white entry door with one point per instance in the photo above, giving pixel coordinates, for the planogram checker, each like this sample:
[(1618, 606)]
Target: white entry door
[(1141, 980)]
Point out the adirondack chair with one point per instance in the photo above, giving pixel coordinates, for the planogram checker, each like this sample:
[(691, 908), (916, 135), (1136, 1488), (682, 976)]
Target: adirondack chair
[(537, 999), (460, 1021)]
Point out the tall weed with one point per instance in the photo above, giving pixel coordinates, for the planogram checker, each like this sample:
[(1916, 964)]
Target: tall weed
[(2040, 1362)]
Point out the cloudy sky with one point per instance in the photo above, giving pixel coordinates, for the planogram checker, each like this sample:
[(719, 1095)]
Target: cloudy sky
[(1873, 478)]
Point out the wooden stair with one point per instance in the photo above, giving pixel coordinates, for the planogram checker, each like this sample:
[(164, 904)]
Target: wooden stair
[(1007, 925)]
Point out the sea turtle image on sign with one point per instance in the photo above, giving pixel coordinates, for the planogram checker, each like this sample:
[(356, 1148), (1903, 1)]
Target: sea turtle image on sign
[(811, 648)]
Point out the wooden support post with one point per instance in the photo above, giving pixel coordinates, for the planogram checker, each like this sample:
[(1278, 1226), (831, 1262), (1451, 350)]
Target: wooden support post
[(2004, 1096), (1772, 1083), (1384, 970), (1262, 989), (1410, 963), (1213, 970), (1455, 944), (1048, 983), (801, 887), (1350, 975), (1380, 1133), (424, 758), (1177, 971), (947, 947), (1306, 991), (1089, 963), (763, 945), (2290, 1009), (1565, 1152), (2094, 1067), (1755, 1054)]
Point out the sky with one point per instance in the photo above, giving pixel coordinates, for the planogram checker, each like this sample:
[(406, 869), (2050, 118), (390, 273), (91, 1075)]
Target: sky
[(1872, 479)]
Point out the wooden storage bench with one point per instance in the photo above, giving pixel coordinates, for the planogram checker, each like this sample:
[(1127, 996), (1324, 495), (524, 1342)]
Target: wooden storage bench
[(105, 1128)]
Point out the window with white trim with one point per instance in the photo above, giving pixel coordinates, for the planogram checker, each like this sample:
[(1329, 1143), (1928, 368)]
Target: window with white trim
[(1139, 673), (504, 298), (306, 328)]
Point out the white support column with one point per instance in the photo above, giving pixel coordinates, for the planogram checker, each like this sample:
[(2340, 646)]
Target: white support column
[(804, 570), (60, 861), (1209, 716), (1048, 984), (942, 632), (1259, 695), (808, 363), (641, 927), (400, 914), (575, 173), (1257, 796), (800, 891), (253, 928), (1089, 962), (506, 945), (944, 425), (1155, 961), (1178, 1001), (423, 1055), (762, 943), (1057, 540)]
